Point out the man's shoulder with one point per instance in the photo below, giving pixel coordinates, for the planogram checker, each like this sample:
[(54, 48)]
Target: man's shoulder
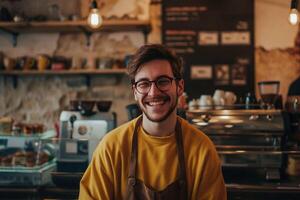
[(198, 145), (120, 134), (195, 136)]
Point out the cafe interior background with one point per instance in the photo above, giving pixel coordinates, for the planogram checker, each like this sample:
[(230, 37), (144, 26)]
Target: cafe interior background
[(40, 98)]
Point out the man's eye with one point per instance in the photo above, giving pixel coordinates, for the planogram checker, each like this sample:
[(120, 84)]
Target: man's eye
[(163, 82), (143, 84)]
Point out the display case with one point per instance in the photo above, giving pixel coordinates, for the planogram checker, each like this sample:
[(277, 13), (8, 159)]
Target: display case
[(27, 159)]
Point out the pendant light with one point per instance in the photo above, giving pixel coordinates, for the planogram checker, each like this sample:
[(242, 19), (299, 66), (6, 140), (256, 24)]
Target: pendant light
[(94, 19), (294, 15)]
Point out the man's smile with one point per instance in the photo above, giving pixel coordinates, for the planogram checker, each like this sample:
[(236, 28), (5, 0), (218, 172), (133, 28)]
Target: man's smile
[(157, 101)]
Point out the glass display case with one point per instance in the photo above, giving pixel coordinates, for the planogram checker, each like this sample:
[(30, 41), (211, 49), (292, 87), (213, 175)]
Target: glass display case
[(27, 159)]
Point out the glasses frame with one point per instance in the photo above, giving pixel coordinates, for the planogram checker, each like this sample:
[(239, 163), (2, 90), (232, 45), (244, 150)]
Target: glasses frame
[(134, 84)]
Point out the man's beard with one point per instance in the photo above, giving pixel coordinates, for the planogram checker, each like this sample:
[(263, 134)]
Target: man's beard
[(164, 117)]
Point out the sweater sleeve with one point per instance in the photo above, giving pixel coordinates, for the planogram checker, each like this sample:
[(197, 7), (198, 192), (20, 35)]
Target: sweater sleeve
[(97, 181), (212, 186)]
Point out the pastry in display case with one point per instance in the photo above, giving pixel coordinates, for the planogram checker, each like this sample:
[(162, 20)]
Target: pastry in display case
[(5, 125), (27, 155)]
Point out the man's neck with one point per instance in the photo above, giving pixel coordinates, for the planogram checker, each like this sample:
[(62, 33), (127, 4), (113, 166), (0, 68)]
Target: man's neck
[(163, 128)]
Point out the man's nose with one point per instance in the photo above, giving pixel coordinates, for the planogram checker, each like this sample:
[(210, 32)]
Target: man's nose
[(153, 90)]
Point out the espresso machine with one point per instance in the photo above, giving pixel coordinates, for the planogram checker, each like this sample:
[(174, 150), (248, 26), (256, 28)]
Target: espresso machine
[(79, 136), (249, 142)]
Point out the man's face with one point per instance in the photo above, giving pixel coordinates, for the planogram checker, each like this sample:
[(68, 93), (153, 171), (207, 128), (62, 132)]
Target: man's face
[(156, 104)]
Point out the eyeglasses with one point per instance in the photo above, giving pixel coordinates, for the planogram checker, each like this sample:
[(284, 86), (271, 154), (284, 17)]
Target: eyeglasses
[(163, 83)]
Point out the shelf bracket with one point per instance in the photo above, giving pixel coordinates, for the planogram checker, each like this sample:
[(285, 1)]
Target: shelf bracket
[(15, 39), (14, 36), (88, 80), (15, 81), (87, 34), (146, 31)]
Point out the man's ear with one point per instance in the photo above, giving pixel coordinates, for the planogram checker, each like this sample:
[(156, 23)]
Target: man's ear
[(180, 88), (134, 93), (135, 98)]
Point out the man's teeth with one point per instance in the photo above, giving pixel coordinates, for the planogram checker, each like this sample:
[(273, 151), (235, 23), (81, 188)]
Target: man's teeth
[(154, 103)]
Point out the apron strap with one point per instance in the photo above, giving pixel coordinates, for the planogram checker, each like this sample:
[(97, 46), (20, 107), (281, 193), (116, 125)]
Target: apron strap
[(182, 168), (134, 153)]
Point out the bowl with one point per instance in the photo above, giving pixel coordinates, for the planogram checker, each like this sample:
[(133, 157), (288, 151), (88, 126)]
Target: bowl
[(103, 106), (74, 105), (86, 106)]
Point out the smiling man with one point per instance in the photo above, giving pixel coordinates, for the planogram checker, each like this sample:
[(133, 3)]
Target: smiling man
[(158, 155)]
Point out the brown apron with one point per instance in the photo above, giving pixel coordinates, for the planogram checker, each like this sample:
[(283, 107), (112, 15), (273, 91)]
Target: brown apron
[(137, 190)]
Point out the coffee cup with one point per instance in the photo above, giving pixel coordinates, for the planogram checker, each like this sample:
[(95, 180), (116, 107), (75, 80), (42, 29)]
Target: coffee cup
[(9, 63), (90, 63), (219, 98), (193, 104), (105, 63), (29, 63), (230, 98), (77, 62), (43, 62), (206, 102)]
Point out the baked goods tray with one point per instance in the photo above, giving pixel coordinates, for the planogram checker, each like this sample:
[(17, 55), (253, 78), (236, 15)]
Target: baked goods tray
[(27, 176), (45, 135)]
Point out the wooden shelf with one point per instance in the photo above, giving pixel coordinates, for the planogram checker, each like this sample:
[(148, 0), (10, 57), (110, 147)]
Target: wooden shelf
[(74, 26), (15, 28), (14, 74), (63, 72)]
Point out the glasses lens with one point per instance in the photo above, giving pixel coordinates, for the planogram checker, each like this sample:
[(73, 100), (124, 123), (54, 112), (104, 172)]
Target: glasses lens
[(163, 83), (143, 86)]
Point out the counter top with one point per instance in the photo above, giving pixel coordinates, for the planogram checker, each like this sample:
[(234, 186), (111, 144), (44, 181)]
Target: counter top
[(279, 190), (293, 186)]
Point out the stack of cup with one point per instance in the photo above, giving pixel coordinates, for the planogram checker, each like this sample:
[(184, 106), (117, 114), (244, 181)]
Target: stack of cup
[(206, 102)]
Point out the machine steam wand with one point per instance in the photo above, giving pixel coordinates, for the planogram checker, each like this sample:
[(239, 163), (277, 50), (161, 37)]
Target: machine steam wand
[(73, 118)]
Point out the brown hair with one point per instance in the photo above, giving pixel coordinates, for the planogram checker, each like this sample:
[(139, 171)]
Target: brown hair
[(150, 52)]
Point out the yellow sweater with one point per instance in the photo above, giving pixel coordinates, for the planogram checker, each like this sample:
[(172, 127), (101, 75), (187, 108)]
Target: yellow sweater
[(106, 176)]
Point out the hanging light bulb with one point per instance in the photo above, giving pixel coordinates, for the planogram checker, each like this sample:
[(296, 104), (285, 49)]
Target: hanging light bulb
[(94, 19), (294, 17), (294, 14)]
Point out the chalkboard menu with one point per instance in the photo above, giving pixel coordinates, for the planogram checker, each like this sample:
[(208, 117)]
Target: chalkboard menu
[(215, 38)]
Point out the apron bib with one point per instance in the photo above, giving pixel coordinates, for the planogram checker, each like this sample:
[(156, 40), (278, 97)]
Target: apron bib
[(137, 190)]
